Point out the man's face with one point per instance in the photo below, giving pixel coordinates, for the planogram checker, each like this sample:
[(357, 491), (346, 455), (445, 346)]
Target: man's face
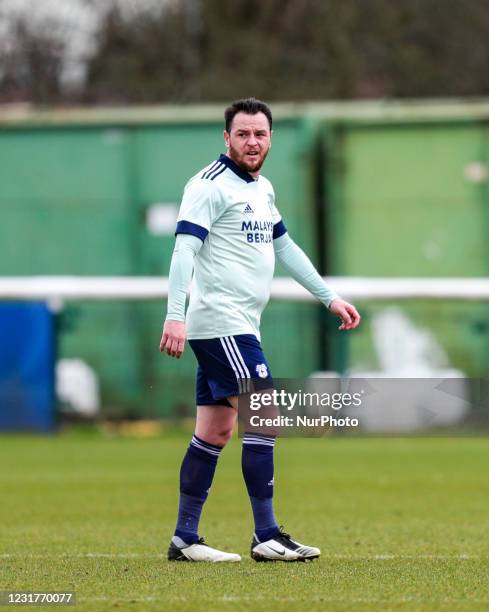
[(248, 141)]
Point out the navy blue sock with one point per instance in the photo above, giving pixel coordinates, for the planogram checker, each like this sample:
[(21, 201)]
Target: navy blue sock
[(196, 474), (257, 465)]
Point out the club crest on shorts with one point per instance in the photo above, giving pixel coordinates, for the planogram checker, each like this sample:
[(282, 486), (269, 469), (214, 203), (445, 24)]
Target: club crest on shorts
[(261, 370)]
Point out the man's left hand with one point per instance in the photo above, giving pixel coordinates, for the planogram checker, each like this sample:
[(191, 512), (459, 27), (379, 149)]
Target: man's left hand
[(347, 312)]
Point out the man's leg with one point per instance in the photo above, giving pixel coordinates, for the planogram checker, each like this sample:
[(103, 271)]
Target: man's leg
[(270, 542), (257, 467), (214, 427)]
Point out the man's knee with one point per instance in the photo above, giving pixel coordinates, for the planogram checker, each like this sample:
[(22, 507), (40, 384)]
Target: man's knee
[(215, 425), (220, 436)]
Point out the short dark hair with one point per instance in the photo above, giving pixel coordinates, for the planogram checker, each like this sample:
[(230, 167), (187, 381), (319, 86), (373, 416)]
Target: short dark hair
[(250, 106)]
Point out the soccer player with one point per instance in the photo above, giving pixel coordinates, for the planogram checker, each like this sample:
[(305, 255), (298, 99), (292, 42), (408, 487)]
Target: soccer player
[(228, 234)]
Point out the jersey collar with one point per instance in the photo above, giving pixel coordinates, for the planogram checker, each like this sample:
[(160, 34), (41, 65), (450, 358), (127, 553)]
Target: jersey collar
[(227, 161)]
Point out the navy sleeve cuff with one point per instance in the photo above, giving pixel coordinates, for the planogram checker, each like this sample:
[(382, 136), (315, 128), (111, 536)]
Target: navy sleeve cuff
[(187, 227), (279, 229)]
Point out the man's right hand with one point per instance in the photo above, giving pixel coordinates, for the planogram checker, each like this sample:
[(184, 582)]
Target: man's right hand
[(173, 338)]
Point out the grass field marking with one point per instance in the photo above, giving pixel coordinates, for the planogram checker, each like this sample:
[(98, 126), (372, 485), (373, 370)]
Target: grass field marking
[(88, 555), (315, 599), (339, 557)]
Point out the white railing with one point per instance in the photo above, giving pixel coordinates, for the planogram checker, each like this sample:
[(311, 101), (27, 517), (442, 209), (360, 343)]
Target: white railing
[(104, 288)]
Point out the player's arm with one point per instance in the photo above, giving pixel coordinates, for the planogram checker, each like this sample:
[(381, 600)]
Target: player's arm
[(182, 265), (300, 267), (199, 208)]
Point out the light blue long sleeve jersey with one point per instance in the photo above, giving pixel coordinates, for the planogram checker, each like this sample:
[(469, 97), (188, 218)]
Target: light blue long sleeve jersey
[(228, 234)]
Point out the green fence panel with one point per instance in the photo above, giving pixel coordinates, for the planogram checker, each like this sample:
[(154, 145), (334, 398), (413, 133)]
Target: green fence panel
[(403, 202), (65, 209)]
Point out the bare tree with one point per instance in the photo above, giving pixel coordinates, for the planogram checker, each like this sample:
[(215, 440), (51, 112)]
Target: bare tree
[(30, 69)]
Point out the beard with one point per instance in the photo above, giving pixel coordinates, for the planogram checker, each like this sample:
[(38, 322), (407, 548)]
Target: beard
[(245, 163)]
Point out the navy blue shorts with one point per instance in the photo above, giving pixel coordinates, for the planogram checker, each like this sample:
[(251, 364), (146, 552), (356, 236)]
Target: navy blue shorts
[(229, 366)]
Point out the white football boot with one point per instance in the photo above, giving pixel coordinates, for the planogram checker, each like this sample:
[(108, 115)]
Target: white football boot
[(181, 551), (282, 548)]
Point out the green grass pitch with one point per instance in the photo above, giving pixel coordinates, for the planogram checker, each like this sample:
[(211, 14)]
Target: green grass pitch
[(402, 524)]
